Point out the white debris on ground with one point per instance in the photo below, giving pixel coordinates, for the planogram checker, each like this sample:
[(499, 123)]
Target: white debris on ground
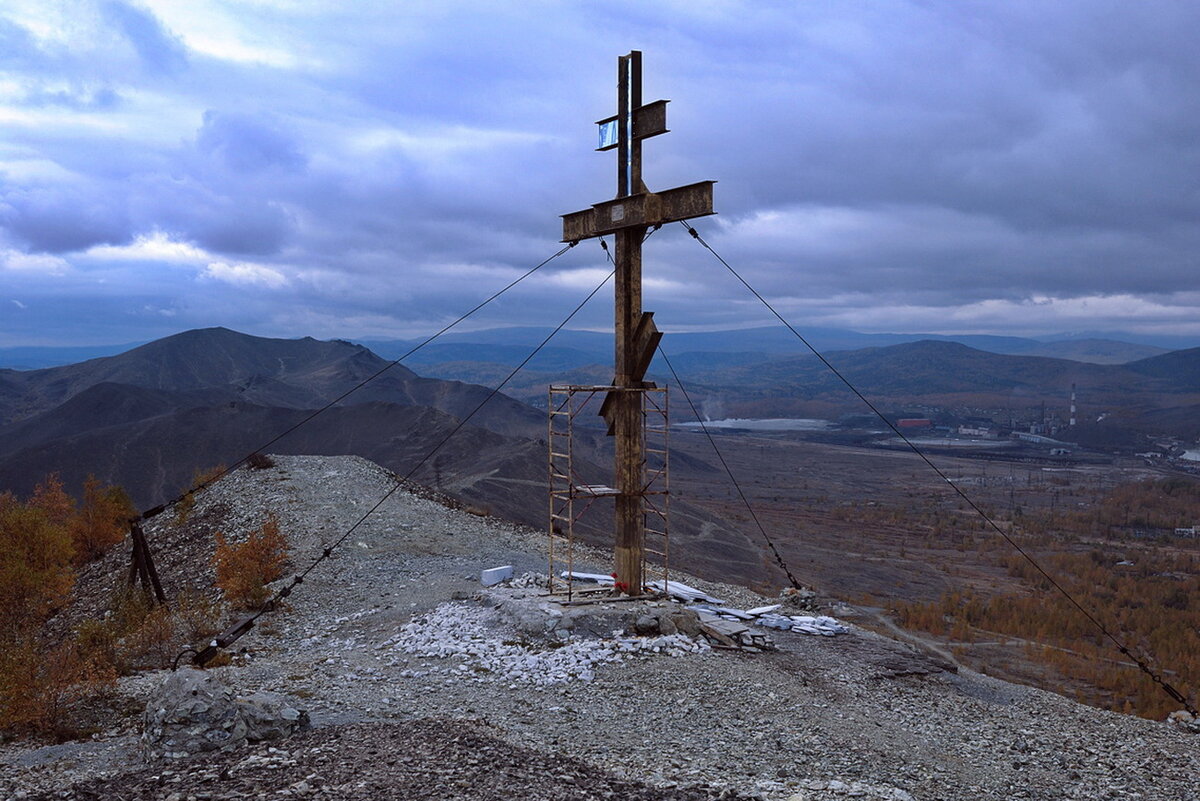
[(471, 636), (765, 616), (804, 624), (530, 580)]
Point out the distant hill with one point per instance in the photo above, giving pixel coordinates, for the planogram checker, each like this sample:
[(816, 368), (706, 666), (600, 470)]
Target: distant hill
[(1094, 351), (575, 348), (148, 417), (37, 356)]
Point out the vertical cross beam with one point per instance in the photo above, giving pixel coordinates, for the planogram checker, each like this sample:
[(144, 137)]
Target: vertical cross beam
[(630, 513)]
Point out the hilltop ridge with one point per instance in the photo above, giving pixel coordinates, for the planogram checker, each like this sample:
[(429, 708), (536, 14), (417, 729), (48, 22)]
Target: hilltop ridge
[(819, 719)]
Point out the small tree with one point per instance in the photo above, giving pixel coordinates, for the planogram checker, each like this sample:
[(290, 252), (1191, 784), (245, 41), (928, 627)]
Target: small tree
[(35, 566), (39, 681), (243, 570)]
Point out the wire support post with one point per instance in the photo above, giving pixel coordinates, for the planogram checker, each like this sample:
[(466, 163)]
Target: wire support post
[(141, 564), (573, 492)]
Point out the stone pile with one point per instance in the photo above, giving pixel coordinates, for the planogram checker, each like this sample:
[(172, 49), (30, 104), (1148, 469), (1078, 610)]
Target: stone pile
[(802, 599), (803, 624), (486, 650), (1185, 720), (194, 712)]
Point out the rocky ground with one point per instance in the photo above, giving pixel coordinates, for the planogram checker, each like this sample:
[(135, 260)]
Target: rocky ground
[(498, 713)]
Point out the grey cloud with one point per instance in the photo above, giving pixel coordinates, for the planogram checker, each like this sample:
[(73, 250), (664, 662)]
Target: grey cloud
[(17, 46), (62, 219), (249, 142), (158, 49), (991, 151), (240, 228), (81, 98)]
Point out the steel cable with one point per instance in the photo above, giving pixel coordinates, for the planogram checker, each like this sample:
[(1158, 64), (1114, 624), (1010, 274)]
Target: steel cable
[(149, 513), (246, 623), (1121, 647), (746, 501)]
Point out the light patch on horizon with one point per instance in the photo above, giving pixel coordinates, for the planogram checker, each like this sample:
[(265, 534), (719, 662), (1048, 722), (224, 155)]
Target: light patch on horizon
[(19, 304), (817, 230), (39, 263), (244, 274), (438, 144), (48, 20), (581, 278), (1139, 314), (58, 118)]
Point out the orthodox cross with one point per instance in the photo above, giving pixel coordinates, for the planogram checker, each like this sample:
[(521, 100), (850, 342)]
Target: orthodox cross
[(629, 216)]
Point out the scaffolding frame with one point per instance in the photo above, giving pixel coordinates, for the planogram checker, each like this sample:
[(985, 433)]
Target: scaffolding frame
[(571, 498)]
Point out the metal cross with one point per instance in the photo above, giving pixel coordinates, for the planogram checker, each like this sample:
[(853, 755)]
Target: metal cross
[(628, 216)]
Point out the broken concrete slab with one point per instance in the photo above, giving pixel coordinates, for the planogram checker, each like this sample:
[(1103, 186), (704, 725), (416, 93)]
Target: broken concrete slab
[(683, 592)]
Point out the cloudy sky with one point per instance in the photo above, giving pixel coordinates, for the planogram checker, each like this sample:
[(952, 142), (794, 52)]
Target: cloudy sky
[(369, 170)]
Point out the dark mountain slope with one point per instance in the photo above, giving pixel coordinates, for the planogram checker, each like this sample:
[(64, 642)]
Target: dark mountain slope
[(284, 373), (940, 368), (101, 407), (204, 359), (1096, 351), (148, 419), (155, 457), (1179, 369)]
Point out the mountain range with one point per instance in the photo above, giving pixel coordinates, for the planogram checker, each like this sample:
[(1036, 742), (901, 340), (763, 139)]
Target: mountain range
[(769, 373), (149, 417), (572, 348)]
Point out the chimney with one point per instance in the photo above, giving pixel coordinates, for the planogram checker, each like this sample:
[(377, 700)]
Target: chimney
[(1072, 405)]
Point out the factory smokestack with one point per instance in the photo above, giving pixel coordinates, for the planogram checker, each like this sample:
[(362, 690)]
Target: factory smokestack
[(1072, 406)]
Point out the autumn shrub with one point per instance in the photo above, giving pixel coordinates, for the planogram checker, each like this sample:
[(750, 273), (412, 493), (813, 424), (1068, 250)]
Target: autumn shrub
[(153, 643), (102, 520), (259, 461), (111, 640), (41, 686), (244, 569), (36, 576), (43, 679)]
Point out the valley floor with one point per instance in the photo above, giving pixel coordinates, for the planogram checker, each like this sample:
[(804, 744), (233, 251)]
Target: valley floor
[(857, 715)]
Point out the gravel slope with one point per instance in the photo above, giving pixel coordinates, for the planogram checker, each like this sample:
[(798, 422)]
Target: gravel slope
[(855, 716)]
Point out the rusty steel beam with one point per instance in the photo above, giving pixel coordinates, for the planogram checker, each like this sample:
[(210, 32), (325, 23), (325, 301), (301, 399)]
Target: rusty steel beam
[(641, 210), (646, 337)]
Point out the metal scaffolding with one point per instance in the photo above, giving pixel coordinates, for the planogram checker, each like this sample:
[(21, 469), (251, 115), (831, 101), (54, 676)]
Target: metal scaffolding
[(571, 496)]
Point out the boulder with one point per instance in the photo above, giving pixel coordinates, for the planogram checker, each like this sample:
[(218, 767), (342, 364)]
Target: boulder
[(1185, 720), (194, 712), (802, 599), (664, 620)]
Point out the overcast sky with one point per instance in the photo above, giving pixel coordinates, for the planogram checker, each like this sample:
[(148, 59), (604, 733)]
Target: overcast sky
[(370, 170)]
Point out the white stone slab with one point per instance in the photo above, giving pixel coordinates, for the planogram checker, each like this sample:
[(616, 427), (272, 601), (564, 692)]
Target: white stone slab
[(762, 610), (495, 575), (598, 578)]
